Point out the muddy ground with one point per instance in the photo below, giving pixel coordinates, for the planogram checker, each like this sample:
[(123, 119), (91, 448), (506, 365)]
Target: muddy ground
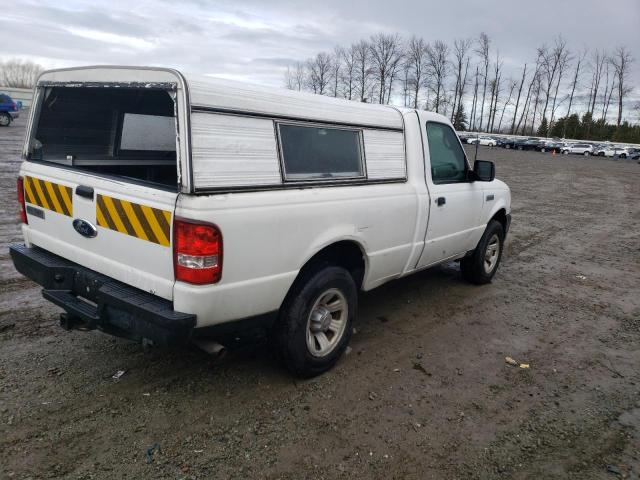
[(425, 392)]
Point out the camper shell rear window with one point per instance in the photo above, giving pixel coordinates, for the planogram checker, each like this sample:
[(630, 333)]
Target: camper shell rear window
[(118, 131)]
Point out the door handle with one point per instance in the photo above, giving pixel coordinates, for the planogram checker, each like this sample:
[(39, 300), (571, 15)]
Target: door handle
[(441, 201), (84, 191)]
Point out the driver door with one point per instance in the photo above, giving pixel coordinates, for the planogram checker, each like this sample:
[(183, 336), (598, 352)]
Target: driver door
[(456, 202)]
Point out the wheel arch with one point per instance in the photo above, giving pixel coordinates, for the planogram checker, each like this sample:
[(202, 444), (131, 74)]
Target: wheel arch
[(501, 216), (347, 253)]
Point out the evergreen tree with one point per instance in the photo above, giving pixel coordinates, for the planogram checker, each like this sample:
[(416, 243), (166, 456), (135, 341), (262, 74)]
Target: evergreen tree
[(460, 118), (543, 129)]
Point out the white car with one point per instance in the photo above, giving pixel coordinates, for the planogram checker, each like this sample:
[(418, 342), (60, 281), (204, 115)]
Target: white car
[(201, 206), (578, 148), (612, 151), (488, 141)]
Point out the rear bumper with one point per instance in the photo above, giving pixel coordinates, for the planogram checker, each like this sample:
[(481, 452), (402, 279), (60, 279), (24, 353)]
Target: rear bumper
[(95, 301)]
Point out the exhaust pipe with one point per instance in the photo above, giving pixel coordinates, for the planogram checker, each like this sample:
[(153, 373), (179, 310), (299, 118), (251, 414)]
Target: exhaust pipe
[(212, 347)]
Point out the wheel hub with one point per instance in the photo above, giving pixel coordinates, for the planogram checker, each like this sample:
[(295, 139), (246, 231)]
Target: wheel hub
[(320, 319)]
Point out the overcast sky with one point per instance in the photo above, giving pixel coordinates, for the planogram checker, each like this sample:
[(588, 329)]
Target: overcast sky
[(254, 40)]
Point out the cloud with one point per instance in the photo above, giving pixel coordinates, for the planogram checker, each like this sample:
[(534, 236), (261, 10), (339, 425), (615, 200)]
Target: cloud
[(254, 40)]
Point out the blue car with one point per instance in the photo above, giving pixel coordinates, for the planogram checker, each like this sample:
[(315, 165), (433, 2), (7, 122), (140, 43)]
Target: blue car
[(9, 110)]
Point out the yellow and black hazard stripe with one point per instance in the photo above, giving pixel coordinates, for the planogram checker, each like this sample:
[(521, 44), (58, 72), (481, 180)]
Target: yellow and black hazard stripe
[(141, 221), (52, 196)]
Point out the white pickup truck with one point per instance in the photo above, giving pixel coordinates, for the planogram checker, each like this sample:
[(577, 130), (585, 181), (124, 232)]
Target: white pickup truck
[(163, 207)]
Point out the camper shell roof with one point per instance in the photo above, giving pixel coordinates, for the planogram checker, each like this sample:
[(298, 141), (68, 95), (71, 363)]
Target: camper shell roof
[(215, 94)]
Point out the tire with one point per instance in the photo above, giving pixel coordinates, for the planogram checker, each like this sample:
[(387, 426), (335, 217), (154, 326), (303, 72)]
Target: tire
[(623, 155), (586, 154), (304, 320), (481, 265), (5, 119), (507, 146), (520, 148), (543, 149), (601, 154), (566, 152)]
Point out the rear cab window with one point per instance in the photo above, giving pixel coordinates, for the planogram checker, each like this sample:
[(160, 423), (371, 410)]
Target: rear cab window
[(123, 132)]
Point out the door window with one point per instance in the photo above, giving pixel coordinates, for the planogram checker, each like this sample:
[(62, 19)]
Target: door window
[(448, 163)]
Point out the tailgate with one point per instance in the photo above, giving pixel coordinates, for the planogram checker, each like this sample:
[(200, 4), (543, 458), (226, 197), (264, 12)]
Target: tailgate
[(120, 229)]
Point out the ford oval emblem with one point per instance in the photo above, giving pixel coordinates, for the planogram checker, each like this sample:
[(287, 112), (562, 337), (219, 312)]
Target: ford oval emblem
[(84, 228)]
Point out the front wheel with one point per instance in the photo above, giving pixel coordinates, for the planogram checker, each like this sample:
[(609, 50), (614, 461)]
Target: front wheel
[(5, 119), (482, 264), (586, 154), (315, 322)]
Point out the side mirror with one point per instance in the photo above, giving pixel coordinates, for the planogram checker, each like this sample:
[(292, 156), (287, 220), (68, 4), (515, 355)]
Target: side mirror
[(484, 171)]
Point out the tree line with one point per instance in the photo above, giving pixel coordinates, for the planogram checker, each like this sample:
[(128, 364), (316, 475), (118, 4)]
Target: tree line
[(467, 82), (19, 73)]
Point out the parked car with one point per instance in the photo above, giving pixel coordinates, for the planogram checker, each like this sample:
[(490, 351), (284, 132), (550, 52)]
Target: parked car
[(255, 208), (632, 153), (482, 140), (530, 144), (551, 146), (578, 148), (611, 151), (9, 110)]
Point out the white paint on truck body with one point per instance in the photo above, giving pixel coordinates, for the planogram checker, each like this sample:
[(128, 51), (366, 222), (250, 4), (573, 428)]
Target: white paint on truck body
[(229, 165)]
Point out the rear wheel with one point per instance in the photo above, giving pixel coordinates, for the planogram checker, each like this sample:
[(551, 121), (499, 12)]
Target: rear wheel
[(482, 264), (623, 155), (315, 322), (5, 119), (586, 154), (543, 149)]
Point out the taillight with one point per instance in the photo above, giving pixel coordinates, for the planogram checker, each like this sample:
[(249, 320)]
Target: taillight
[(14, 106), (22, 207), (197, 252)]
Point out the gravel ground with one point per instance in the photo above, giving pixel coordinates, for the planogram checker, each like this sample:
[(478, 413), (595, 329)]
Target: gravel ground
[(425, 391)]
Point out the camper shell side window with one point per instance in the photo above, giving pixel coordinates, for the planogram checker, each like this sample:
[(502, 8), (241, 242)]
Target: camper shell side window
[(320, 152)]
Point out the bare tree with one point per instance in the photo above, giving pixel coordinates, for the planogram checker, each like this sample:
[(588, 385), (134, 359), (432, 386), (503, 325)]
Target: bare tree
[(621, 60), (362, 57), (320, 72), (527, 103), (515, 112), (438, 67), (349, 72), (563, 65), (386, 54), (295, 78), (597, 66), (576, 76), (417, 61), (550, 63), (483, 51), (19, 73), (474, 103), (608, 91), (513, 84), (495, 91), (460, 49), (336, 68)]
